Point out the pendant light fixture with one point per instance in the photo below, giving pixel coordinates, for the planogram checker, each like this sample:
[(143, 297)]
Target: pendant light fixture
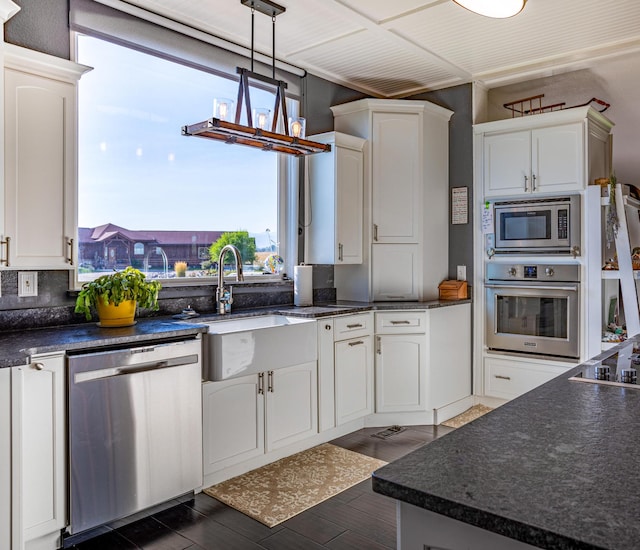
[(256, 133), (499, 9)]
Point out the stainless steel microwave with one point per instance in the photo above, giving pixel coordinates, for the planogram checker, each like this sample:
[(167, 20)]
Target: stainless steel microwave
[(538, 226)]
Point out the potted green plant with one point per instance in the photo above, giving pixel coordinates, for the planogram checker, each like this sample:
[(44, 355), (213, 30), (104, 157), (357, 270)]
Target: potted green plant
[(116, 295)]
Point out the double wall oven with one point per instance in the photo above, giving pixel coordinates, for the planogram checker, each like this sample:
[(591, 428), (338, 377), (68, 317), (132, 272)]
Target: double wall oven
[(533, 308)]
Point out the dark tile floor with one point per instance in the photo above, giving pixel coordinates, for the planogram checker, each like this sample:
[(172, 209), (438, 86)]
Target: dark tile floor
[(357, 518)]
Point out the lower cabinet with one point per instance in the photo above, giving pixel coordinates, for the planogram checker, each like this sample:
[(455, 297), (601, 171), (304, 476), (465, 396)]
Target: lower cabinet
[(247, 416), (401, 361), (508, 378), (353, 379), (5, 458), (38, 440)]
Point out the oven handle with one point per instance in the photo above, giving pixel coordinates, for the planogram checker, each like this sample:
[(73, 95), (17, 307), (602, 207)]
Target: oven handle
[(572, 288)]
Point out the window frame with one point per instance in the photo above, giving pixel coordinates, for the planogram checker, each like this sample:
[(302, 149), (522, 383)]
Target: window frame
[(288, 176)]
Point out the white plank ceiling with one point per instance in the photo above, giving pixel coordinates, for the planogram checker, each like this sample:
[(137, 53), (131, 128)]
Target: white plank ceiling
[(402, 47)]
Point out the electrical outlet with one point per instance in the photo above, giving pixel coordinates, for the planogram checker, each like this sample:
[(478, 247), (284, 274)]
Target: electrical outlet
[(27, 283), (462, 273)]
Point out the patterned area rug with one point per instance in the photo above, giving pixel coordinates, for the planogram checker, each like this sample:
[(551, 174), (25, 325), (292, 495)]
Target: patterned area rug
[(467, 416), (279, 491)]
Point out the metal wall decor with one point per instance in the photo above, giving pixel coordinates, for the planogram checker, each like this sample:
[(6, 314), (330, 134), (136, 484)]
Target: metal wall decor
[(255, 133)]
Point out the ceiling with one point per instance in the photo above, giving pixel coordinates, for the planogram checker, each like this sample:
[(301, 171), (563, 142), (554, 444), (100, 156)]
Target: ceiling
[(402, 47), (398, 48)]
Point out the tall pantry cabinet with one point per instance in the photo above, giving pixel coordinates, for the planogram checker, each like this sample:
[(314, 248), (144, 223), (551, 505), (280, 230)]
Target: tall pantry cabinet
[(406, 190)]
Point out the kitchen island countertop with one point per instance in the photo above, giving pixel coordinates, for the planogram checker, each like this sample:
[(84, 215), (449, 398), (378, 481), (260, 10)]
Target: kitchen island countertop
[(554, 468), (16, 347)]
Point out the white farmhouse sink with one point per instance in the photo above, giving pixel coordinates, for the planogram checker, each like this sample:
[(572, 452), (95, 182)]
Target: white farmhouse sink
[(248, 345)]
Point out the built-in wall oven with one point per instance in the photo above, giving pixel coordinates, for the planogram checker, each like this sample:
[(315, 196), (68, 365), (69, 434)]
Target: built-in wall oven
[(533, 309)]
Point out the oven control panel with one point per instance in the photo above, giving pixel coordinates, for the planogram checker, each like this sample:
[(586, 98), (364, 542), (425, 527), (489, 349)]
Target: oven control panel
[(533, 272)]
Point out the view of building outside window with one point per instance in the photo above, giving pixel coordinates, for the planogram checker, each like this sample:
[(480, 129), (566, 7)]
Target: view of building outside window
[(152, 198)]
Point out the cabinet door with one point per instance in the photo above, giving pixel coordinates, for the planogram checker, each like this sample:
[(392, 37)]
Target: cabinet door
[(326, 376), (354, 379), (401, 368), (5, 458), (396, 177), (291, 405), (349, 206), (558, 158), (507, 163), (38, 449), (39, 170), (395, 272), (233, 421)]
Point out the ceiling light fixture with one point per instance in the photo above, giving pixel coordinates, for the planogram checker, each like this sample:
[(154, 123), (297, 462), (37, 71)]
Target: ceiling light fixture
[(254, 134), (493, 8)]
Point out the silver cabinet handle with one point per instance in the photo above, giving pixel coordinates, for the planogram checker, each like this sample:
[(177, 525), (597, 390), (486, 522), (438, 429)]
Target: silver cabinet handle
[(270, 381), (358, 343), (500, 377), (526, 183), (533, 181), (379, 345), (6, 242), (38, 366), (70, 256), (340, 248), (261, 383), (400, 322), (375, 231), (355, 325)]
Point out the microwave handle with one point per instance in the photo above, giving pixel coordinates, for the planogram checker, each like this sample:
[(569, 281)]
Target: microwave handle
[(572, 288)]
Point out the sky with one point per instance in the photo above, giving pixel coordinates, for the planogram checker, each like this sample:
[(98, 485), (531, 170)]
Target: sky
[(136, 169)]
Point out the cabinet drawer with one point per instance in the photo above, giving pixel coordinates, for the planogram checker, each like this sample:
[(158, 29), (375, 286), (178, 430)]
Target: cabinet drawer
[(508, 379), (401, 322), (352, 326)]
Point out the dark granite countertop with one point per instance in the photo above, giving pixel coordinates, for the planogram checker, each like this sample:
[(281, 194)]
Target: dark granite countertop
[(555, 468), (17, 346)]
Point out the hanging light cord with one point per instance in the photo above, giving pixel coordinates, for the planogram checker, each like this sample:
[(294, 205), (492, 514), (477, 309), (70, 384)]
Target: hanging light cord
[(253, 17)]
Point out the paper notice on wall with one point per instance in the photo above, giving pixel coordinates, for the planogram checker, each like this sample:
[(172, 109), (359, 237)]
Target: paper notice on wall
[(459, 209), (487, 218)]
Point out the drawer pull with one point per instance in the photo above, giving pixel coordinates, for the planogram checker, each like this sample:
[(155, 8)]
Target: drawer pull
[(340, 248), (261, 383), (355, 325), (358, 343), (400, 322), (501, 377), (270, 381), (379, 345), (38, 366), (375, 231), (6, 243)]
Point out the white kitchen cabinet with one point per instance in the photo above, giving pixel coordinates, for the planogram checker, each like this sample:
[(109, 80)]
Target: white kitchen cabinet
[(560, 151), (406, 195), (40, 151), (396, 176), (354, 378), (508, 378), (39, 484), (449, 355), (544, 160), (345, 368), (396, 276), (5, 458), (335, 186), (248, 416), (401, 361)]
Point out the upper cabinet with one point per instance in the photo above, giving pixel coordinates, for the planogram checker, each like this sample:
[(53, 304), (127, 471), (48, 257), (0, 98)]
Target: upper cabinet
[(335, 183), (40, 144), (396, 177), (406, 198), (547, 153)]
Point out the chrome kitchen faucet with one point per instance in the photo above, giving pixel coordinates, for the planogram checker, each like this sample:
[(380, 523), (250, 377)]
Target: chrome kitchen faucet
[(224, 296)]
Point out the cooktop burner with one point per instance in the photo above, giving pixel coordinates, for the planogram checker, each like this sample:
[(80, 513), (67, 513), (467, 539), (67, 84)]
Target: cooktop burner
[(617, 369)]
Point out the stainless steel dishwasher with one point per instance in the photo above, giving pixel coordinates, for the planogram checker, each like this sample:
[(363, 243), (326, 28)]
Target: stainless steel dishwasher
[(135, 429)]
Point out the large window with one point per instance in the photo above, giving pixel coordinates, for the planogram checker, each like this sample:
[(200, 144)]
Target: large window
[(150, 197)]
